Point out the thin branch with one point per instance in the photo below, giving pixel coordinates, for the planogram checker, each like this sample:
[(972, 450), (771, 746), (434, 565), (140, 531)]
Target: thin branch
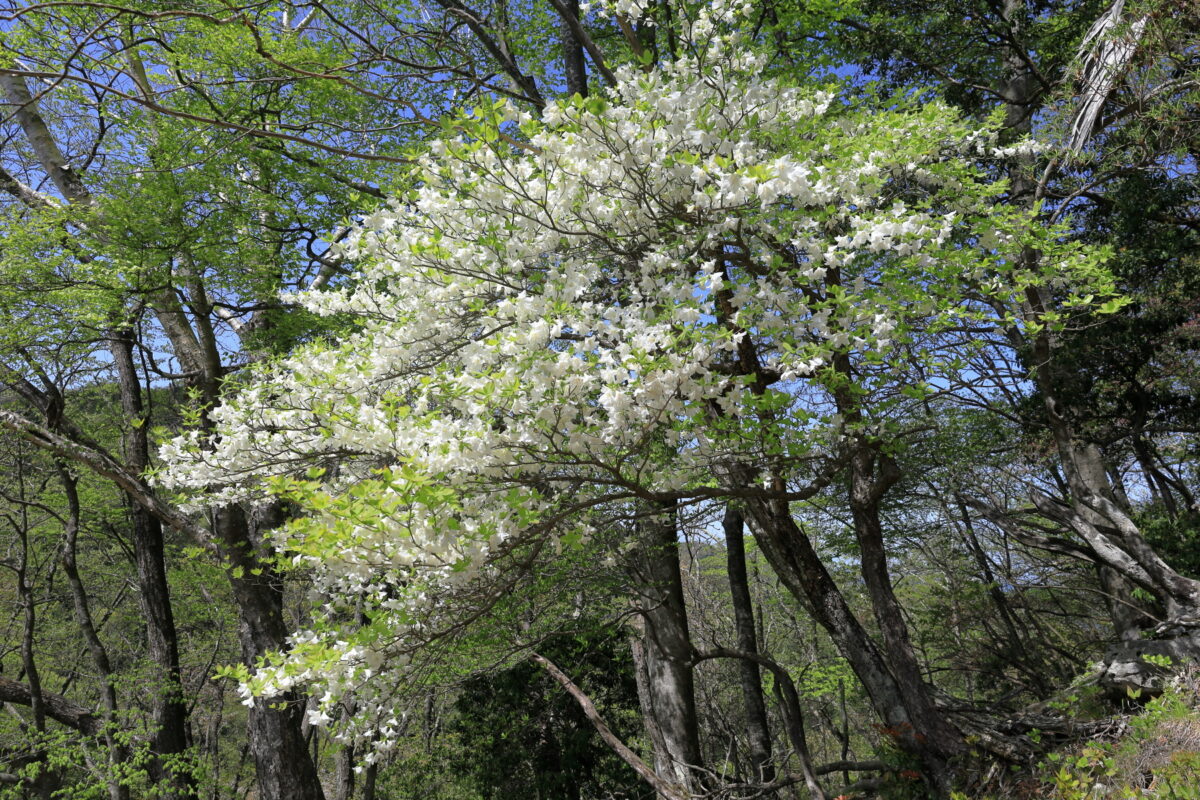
[(631, 758), (217, 123), (510, 67)]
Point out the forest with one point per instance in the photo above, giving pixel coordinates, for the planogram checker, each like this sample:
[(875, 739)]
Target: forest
[(506, 399)]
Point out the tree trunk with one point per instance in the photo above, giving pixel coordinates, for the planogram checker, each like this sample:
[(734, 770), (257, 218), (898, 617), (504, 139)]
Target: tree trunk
[(758, 732), (283, 765), (867, 487), (658, 745), (118, 753), (169, 741), (667, 649), (45, 782), (798, 565), (574, 68)]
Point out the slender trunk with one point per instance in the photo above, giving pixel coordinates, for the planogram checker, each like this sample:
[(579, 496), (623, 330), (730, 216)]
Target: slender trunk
[(44, 784), (117, 752), (758, 733), (574, 68), (370, 773), (789, 700), (868, 484), (802, 571), (985, 571), (844, 738), (668, 649), (343, 780), (664, 789), (789, 703), (871, 474), (169, 740)]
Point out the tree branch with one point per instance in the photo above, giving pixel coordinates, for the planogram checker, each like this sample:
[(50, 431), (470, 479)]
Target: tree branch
[(584, 39), (631, 758), (105, 465), (475, 23), (57, 707), (26, 194)]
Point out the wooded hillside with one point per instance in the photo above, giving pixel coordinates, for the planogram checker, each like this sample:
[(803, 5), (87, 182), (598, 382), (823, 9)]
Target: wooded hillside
[(628, 399)]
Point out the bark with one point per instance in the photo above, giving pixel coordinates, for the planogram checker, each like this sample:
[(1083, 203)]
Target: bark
[(1127, 619), (668, 649), (985, 571), (758, 733), (168, 710), (27, 116), (55, 707), (1094, 515), (102, 463), (573, 65), (283, 765), (801, 570), (871, 475), (285, 769), (658, 745), (37, 703), (1091, 511), (23, 192), (169, 740), (343, 779), (571, 19), (371, 772), (117, 752), (525, 84), (921, 729)]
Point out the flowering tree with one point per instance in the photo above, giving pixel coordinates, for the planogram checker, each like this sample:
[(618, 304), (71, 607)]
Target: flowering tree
[(703, 286)]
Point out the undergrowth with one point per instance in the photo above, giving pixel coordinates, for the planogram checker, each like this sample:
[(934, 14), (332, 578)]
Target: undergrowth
[(1151, 753)]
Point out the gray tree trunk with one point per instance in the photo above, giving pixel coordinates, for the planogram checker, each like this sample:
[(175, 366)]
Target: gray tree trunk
[(871, 474), (667, 649), (283, 764), (799, 567), (758, 732), (169, 708), (574, 67)]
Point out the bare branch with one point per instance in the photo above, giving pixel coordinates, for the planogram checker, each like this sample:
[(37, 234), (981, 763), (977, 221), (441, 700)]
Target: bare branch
[(57, 707), (631, 758), (102, 464)]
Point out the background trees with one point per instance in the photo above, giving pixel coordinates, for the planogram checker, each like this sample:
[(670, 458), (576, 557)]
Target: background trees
[(169, 169)]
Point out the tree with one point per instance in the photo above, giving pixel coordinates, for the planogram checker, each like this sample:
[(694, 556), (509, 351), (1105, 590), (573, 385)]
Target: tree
[(1109, 84), (703, 286)]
